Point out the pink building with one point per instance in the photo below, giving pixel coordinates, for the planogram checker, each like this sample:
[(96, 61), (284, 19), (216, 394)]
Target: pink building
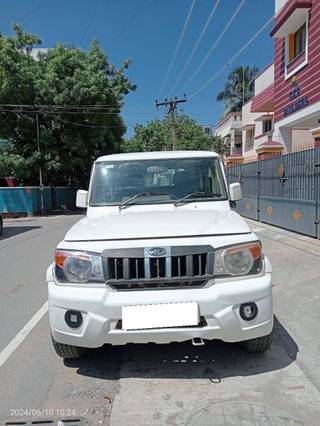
[(296, 72)]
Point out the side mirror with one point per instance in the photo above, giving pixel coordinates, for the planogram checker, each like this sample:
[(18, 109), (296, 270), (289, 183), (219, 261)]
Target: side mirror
[(235, 191), (82, 199)]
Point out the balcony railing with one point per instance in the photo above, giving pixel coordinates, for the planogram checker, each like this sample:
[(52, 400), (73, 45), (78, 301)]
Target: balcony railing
[(235, 151)]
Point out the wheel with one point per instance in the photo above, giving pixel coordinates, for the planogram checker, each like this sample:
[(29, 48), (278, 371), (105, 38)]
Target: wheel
[(259, 344), (68, 351)]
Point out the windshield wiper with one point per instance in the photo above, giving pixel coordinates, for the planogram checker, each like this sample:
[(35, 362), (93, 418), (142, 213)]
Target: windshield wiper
[(141, 194), (189, 197)]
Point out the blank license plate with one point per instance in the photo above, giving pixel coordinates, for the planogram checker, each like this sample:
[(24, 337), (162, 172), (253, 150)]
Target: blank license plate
[(163, 315)]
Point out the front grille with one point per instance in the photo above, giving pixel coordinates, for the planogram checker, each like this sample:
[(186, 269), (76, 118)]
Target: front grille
[(180, 267)]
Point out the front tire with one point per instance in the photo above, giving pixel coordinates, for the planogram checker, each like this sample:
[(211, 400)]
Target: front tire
[(259, 344), (68, 351)]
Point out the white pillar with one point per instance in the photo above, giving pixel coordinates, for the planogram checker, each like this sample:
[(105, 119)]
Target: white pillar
[(284, 136)]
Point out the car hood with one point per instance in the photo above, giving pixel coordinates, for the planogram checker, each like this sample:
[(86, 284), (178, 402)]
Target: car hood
[(157, 224)]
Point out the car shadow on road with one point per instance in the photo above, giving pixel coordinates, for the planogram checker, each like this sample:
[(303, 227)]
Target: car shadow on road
[(215, 360), (11, 231)]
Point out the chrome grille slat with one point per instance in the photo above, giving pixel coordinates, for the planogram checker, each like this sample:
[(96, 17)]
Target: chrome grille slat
[(168, 266), (147, 272), (125, 269), (115, 269), (189, 266), (209, 266)]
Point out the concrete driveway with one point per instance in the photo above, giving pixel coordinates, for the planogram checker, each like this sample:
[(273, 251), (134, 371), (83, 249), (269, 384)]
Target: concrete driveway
[(177, 384)]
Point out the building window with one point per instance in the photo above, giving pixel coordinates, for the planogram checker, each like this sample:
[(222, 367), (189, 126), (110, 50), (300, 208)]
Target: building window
[(249, 139), (267, 126), (297, 42), (300, 40), (296, 47)]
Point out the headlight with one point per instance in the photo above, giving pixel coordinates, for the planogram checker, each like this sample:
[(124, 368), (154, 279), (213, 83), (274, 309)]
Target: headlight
[(242, 259), (78, 267)]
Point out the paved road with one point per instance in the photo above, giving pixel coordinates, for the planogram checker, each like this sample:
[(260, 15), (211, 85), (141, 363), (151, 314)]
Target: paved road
[(177, 384)]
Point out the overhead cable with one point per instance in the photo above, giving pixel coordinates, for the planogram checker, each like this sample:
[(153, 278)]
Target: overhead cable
[(90, 21), (91, 126), (196, 72), (127, 24), (195, 47), (150, 114), (233, 58), (185, 26), (31, 12)]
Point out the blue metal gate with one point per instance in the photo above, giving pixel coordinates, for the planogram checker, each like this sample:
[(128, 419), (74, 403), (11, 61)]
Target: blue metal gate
[(247, 176), (283, 191)]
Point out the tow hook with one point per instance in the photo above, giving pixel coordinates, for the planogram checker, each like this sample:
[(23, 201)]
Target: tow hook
[(197, 341)]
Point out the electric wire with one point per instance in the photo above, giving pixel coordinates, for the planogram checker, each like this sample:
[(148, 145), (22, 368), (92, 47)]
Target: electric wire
[(127, 23), (196, 72), (88, 125), (185, 26), (195, 47), (233, 58), (90, 21), (144, 114), (65, 106), (31, 12)]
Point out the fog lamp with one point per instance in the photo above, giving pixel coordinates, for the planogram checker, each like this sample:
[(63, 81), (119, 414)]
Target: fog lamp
[(248, 311), (73, 319)]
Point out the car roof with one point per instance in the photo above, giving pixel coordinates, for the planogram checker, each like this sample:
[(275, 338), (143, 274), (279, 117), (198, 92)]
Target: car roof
[(156, 155)]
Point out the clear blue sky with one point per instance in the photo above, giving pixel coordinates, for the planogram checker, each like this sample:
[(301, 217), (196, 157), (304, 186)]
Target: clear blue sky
[(147, 31)]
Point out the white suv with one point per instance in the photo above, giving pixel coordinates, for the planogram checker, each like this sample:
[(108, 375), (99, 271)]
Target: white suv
[(160, 257)]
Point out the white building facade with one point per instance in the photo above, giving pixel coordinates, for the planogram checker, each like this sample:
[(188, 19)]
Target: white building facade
[(229, 128)]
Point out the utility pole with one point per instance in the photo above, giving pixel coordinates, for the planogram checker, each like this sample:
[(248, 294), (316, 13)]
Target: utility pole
[(40, 168), (171, 105)]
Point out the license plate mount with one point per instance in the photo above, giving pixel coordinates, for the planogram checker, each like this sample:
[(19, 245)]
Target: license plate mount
[(162, 315)]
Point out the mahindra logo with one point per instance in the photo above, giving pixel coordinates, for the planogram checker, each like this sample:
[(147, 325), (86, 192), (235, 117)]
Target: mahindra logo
[(157, 251)]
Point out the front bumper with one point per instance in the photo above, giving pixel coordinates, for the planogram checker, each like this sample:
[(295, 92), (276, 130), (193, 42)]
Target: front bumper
[(218, 304)]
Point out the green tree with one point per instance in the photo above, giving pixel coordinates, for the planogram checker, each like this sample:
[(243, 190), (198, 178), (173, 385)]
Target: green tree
[(11, 163), (238, 89), (65, 75), (156, 136)]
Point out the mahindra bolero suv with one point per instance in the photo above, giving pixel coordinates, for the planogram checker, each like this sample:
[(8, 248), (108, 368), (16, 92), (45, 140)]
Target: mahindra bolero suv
[(161, 256)]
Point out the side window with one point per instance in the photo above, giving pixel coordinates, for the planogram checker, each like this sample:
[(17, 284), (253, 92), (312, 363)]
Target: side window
[(249, 140), (210, 180), (103, 187), (267, 126)]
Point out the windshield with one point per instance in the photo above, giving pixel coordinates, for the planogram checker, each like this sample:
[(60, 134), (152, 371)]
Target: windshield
[(158, 181)]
